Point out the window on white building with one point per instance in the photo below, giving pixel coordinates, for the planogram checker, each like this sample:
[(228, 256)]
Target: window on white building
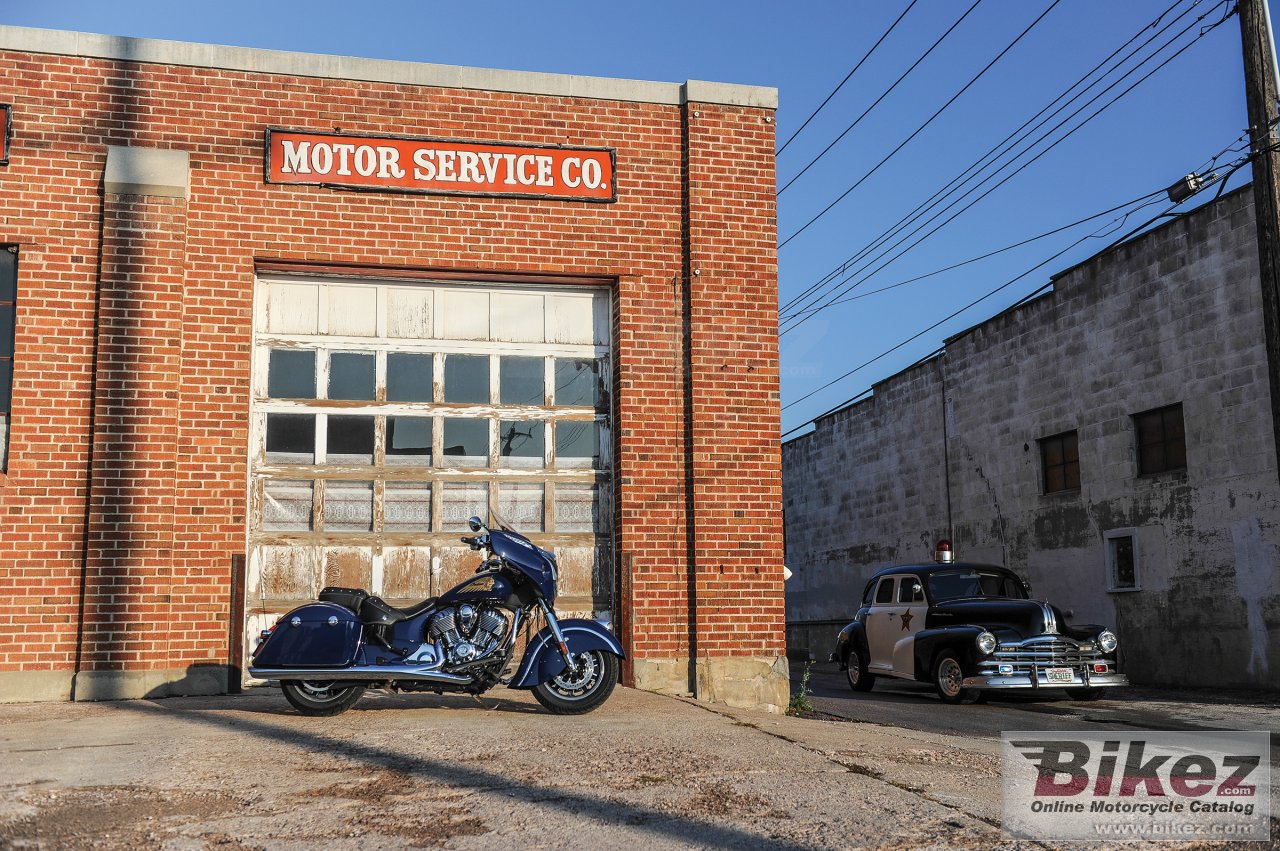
[(1121, 547)]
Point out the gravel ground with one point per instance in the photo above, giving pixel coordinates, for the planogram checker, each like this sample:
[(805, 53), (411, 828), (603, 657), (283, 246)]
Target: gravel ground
[(423, 771)]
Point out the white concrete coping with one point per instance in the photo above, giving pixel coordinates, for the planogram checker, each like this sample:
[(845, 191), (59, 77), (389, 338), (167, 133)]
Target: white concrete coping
[(255, 60), (146, 171)]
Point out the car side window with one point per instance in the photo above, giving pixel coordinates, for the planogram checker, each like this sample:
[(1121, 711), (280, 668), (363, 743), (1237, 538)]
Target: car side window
[(909, 590), (868, 593), (884, 594)]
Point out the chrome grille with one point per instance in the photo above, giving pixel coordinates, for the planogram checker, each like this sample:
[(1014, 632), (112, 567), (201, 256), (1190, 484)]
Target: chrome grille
[(1050, 653)]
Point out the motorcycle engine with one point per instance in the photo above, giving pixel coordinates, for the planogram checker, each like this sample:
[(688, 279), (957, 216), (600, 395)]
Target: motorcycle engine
[(469, 633)]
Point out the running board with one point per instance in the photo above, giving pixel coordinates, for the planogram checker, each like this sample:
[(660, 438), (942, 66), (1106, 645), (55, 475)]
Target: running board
[(367, 673)]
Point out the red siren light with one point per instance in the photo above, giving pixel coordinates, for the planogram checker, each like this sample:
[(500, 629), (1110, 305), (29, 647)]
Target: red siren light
[(942, 552)]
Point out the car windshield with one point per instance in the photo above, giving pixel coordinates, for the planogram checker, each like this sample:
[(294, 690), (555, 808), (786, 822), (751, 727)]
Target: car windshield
[(967, 582)]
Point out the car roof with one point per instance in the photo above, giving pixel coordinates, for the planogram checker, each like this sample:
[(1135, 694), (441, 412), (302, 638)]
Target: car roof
[(926, 568)]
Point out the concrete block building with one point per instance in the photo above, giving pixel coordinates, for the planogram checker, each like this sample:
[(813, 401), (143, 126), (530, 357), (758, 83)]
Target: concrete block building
[(1111, 440), (273, 321)]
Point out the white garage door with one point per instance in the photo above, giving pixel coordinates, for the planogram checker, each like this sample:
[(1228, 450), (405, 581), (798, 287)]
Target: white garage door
[(386, 413)]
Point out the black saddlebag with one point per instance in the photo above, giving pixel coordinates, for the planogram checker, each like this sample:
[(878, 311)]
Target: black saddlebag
[(317, 635), (350, 598)]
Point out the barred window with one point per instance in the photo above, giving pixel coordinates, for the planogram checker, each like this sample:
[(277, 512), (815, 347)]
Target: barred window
[(1060, 462)]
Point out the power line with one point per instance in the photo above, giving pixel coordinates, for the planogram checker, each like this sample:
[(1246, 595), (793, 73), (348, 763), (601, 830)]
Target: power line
[(886, 93), (865, 57), (944, 320), (980, 257), (810, 313), (845, 194), (1232, 168), (944, 192), (921, 128)]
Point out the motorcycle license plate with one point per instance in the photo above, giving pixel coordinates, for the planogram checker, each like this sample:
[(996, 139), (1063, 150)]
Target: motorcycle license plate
[(1058, 675)]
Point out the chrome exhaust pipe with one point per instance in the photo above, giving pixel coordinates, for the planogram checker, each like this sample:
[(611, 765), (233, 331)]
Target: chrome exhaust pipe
[(368, 673)]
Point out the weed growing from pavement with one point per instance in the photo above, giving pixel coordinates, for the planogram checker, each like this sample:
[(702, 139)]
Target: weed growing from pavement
[(800, 700)]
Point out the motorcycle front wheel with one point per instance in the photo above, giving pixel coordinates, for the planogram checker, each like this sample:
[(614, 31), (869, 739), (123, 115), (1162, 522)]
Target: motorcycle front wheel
[(319, 699), (581, 690)]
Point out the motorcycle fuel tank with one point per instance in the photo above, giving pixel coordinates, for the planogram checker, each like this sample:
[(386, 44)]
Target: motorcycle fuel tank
[(317, 635)]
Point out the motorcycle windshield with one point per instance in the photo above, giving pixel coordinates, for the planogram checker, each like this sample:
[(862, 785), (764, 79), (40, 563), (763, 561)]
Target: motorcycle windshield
[(535, 563)]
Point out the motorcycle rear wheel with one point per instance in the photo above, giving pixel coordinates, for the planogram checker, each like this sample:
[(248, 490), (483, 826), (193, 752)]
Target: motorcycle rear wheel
[(582, 690), (320, 698)]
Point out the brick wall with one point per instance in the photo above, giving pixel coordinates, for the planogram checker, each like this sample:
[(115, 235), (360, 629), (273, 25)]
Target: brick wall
[(160, 291)]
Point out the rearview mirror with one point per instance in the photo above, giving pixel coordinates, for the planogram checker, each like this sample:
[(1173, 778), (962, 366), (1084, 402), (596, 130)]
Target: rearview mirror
[(475, 524)]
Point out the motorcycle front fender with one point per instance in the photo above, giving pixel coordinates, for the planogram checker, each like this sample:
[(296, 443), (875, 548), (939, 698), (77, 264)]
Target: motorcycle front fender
[(542, 659)]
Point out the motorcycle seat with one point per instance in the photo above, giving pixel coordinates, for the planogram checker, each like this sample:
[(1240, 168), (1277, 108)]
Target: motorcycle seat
[(376, 611)]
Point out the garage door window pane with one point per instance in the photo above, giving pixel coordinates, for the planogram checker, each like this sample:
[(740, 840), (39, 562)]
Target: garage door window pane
[(575, 508), (466, 442), (461, 501), (520, 505), (286, 506), (409, 441), (351, 376), (466, 378), (350, 440), (409, 378), (291, 438), (348, 506), (520, 443), (577, 382), (406, 507), (521, 381), (577, 444), (291, 374)]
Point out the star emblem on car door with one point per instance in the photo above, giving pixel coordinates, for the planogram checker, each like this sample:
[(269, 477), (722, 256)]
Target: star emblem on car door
[(906, 620)]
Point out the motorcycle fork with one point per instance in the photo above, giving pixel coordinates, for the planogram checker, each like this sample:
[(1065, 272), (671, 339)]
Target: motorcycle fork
[(559, 636)]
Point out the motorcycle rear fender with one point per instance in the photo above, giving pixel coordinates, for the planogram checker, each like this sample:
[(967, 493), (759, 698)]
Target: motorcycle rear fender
[(542, 659), (327, 635)]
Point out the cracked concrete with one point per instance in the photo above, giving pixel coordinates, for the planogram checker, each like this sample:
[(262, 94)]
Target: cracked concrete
[(425, 771)]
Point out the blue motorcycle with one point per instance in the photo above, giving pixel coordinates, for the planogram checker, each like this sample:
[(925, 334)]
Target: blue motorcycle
[(325, 654)]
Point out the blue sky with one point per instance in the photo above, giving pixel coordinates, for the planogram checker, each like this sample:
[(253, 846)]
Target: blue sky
[(1167, 126)]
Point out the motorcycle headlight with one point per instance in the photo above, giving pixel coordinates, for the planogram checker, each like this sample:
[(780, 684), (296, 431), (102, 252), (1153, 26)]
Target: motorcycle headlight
[(986, 642), (1107, 640)]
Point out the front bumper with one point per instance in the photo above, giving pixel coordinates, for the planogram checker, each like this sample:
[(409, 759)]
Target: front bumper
[(1040, 679)]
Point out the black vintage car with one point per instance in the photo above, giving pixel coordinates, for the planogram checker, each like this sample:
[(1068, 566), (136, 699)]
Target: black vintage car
[(967, 628)]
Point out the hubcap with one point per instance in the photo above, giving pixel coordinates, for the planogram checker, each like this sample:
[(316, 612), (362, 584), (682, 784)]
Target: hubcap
[(950, 677), (579, 681), (854, 671)]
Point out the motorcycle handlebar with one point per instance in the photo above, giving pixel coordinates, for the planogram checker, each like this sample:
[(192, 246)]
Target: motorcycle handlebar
[(475, 543)]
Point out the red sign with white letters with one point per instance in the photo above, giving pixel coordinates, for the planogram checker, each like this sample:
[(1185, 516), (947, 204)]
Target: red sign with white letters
[(439, 166)]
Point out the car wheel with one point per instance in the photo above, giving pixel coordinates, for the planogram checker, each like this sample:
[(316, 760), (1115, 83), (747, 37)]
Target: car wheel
[(1084, 693), (948, 679), (859, 679)]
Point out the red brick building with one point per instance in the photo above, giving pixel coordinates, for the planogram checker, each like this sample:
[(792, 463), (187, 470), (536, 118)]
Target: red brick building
[(270, 321)]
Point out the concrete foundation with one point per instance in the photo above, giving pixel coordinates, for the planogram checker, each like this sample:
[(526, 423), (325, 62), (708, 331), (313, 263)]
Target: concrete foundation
[(126, 685), (34, 686)]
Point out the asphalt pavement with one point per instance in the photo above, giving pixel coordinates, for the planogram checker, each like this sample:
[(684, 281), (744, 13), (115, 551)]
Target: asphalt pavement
[(914, 706)]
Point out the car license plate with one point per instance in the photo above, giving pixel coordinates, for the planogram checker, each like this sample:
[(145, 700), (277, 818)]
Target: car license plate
[(1058, 675)]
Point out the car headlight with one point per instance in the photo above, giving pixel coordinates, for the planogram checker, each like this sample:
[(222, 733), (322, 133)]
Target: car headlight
[(986, 642), (1107, 640)]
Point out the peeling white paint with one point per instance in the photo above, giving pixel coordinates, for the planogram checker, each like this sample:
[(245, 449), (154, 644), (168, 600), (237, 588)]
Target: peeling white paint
[(1255, 568)]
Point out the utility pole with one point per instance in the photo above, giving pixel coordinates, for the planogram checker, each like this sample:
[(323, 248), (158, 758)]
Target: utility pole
[(1260, 96)]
